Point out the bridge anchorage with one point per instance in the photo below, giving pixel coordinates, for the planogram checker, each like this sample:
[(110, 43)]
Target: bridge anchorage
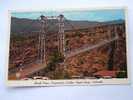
[(42, 36)]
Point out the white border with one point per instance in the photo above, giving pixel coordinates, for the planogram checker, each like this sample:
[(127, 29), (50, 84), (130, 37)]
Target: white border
[(18, 83)]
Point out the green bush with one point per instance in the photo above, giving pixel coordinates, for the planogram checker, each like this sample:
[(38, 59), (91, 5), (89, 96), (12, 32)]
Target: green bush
[(56, 58), (122, 74)]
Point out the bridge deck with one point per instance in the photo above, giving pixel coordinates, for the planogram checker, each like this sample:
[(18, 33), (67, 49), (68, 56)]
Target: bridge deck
[(88, 47)]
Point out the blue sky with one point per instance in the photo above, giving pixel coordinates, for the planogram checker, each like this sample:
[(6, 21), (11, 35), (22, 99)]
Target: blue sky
[(90, 15)]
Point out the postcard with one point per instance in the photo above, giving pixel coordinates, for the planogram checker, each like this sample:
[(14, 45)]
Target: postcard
[(68, 47)]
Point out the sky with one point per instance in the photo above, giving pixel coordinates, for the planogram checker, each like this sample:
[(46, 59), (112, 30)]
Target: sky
[(89, 15)]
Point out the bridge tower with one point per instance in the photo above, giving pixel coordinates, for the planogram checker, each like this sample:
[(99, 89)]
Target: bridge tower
[(42, 40), (42, 36), (61, 35)]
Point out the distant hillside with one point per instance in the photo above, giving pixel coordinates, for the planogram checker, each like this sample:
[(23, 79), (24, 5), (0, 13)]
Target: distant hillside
[(23, 25)]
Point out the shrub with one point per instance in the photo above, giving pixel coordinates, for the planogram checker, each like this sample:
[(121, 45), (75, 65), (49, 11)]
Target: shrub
[(122, 74)]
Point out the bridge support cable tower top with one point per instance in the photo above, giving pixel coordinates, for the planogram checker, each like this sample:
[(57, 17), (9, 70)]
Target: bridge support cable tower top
[(61, 35), (42, 40)]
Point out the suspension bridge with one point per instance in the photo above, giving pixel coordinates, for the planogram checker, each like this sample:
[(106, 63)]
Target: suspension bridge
[(32, 68)]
